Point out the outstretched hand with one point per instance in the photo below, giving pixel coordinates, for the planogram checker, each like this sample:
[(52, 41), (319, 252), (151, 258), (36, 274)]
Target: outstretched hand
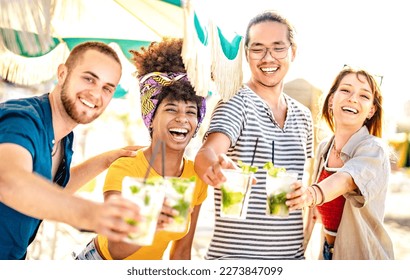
[(111, 218), (213, 175)]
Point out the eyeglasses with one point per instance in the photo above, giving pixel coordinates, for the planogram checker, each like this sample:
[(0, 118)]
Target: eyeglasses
[(278, 52), (378, 78)]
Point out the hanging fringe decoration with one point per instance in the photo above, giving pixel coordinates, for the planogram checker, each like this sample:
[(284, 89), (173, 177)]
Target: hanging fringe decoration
[(30, 17), (213, 62), (226, 63), (127, 78), (33, 70), (29, 54), (196, 51)]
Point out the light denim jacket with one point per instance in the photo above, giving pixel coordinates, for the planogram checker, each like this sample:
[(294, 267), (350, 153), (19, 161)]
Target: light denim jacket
[(361, 234)]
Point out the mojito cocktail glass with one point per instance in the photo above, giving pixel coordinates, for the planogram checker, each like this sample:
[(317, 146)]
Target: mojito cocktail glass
[(179, 193), (149, 196), (277, 187), (235, 193)]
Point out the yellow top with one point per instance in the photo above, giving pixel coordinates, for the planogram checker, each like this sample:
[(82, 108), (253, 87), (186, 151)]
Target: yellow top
[(137, 167)]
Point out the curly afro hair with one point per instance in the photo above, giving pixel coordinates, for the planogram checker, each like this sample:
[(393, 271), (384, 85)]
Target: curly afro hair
[(164, 56)]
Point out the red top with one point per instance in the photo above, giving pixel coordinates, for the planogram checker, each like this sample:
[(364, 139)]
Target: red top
[(331, 212)]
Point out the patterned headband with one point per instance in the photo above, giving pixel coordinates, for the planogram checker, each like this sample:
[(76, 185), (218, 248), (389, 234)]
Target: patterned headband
[(150, 86)]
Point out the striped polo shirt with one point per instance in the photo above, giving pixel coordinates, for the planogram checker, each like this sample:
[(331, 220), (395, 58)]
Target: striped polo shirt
[(245, 118)]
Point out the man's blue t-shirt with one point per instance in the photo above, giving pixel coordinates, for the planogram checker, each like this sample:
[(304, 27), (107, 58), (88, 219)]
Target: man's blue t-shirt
[(28, 122)]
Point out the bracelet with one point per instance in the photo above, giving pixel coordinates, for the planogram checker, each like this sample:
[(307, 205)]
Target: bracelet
[(314, 198), (321, 192)]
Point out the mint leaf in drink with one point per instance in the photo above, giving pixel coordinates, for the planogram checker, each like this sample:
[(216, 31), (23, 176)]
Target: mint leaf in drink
[(246, 168), (182, 207), (230, 198), (131, 222), (182, 184), (147, 199), (277, 204), (135, 189), (154, 181), (273, 170)]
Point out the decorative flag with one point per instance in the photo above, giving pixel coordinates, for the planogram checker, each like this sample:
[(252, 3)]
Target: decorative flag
[(212, 59), (226, 63), (196, 51)]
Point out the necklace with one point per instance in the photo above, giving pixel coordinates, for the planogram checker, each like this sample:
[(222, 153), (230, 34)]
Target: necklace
[(336, 151), (55, 152)]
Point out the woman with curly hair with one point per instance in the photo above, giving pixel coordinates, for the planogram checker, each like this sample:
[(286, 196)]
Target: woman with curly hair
[(172, 112)]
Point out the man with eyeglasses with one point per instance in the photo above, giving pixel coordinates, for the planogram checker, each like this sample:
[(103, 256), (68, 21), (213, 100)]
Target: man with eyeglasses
[(262, 117)]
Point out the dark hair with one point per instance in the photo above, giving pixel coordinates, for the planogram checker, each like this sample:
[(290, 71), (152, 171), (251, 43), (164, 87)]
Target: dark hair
[(179, 91), (274, 16), (77, 52), (164, 56), (374, 124)]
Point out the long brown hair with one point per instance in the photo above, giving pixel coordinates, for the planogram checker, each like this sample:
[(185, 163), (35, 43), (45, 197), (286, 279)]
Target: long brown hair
[(375, 124)]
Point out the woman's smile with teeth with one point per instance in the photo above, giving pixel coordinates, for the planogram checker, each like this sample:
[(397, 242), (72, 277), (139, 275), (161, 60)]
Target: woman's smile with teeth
[(87, 103), (349, 109), (178, 131)]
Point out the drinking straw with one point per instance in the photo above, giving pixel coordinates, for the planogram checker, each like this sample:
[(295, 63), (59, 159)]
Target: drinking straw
[(163, 159), (250, 177), (151, 161), (273, 151), (254, 151)]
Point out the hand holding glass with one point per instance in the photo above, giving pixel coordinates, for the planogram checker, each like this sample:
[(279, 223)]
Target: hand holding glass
[(277, 187), (179, 194), (149, 196)]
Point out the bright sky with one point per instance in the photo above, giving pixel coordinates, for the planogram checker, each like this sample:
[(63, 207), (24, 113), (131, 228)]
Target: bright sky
[(370, 34)]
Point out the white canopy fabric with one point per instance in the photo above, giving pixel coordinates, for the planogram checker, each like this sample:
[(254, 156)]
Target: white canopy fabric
[(32, 55)]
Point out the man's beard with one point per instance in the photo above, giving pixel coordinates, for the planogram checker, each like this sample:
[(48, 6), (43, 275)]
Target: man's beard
[(69, 106)]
